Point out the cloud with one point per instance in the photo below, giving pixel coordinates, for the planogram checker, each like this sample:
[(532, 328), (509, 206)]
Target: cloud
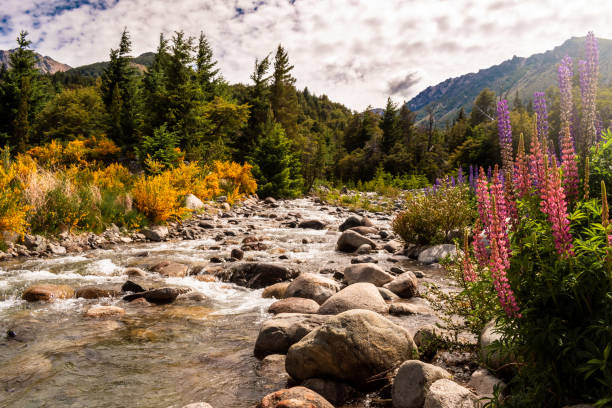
[(402, 86), (357, 52)]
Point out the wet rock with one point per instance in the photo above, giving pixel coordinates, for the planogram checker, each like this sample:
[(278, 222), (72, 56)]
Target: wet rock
[(352, 346), (257, 275), (171, 269), (35, 243), (192, 202), (156, 233), (392, 247), (312, 224), (96, 292), (296, 397), (364, 230), (349, 241), (272, 368), (356, 296), (404, 285), (205, 225), (367, 272), (484, 383), (130, 286), (437, 253), (57, 249), (277, 334), (135, 273), (364, 259), (412, 382), (162, 296), (351, 222), (312, 286), (364, 249), (23, 369), (445, 393), (336, 392), (237, 253), (104, 312), (294, 305), (276, 291), (47, 292), (387, 294)]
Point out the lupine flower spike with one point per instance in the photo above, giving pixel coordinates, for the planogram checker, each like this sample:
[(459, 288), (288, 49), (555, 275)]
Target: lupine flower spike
[(536, 161), (554, 205), (505, 135), (521, 172), (587, 171)]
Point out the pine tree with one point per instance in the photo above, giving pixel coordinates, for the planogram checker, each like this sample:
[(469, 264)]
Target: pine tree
[(406, 124), (275, 167), (155, 96), (390, 126), (283, 97), (206, 73), (22, 124)]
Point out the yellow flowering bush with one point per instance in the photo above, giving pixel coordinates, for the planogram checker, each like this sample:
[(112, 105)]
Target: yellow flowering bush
[(13, 210), (235, 180), (113, 177), (80, 152), (157, 198)]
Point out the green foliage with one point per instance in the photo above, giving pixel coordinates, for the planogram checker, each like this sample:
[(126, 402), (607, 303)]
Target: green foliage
[(283, 98), (601, 166), (276, 168), (161, 148), (429, 218)]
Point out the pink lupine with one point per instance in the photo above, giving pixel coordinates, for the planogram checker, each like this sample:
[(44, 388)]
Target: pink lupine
[(469, 275), (479, 244), (569, 164), (521, 172), (499, 265), (537, 162), (554, 205)]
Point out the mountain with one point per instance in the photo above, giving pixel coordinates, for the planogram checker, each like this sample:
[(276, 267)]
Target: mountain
[(525, 75), (46, 65), (141, 63)]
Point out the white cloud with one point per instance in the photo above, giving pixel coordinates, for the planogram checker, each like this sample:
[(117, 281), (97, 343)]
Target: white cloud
[(355, 51)]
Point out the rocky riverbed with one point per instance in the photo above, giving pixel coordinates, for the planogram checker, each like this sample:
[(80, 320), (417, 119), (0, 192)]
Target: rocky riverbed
[(207, 310)]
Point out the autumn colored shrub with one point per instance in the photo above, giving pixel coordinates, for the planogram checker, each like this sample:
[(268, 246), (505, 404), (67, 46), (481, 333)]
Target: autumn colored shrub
[(157, 197), (79, 152), (114, 177), (13, 209), (235, 180)]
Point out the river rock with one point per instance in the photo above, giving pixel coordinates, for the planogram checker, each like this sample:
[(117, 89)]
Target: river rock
[(404, 285), (352, 346), (364, 230), (294, 305), (364, 249), (492, 358), (312, 286), (484, 383), (237, 253), (412, 381), (133, 287), (96, 292), (171, 269), (392, 247), (437, 253), (277, 334), (57, 249), (36, 243), (296, 397), (445, 393), (351, 222), (336, 392), (387, 294), (156, 232), (312, 224), (356, 296), (277, 290), (135, 273), (270, 200), (272, 367), (257, 275), (160, 296), (104, 311), (192, 202), (47, 292), (367, 272), (349, 241)]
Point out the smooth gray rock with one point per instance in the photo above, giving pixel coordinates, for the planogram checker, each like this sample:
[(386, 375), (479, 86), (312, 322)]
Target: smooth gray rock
[(437, 253), (193, 203), (349, 241), (404, 285), (367, 272), (412, 381), (312, 286), (448, 394), (357, 296), (484, 383), (156, 232), (277, 334)]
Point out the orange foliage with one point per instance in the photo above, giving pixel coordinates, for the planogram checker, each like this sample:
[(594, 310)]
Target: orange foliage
[(157, 198), (13, 211), (235, 180)]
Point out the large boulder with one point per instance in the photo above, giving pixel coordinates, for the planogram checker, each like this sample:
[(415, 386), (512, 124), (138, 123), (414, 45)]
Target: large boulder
[(490, 357), (312, 224), (193, 203), (296, 397), (352, 346), (350, 222), (412, 381), (356, 296), (47, 292), (364, 230), (350, 241), (97, 291), (312, 286), (156, 232), (404, 285), (277, 334), (257, 275), (484, 383), (275, 291), (366, 272), (437, 253), (171, 269), (294, 305), (445, 393)]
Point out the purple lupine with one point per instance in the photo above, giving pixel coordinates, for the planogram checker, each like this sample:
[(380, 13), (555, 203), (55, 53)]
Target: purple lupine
[(589, 71), (489, 173), (505, 135), (472, 178), (460, 178), (566, 142), (564, 74), (539, 106)]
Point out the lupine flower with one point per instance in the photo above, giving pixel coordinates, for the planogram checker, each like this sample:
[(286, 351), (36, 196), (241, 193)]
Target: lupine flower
[(536, 162), (539, 106), (505, 134), (564, 74), (587, 171), (554, 205), (569, 164), (479, 244), (589, 71), (521, 172), (460, 178)]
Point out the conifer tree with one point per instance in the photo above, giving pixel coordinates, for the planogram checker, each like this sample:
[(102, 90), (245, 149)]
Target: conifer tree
[(283, 96), (390, 126), (206, 73), (155, 96)]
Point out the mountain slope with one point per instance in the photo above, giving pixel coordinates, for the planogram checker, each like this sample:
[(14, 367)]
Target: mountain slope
[(527, 75), (141, 63), (46, 65)]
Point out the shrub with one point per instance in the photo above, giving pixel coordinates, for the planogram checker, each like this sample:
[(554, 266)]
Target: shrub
[(88, 152), (235, 180), (158, 198), (114, 177), (13, 210), (601, 166), (161, 147), (431, 216)]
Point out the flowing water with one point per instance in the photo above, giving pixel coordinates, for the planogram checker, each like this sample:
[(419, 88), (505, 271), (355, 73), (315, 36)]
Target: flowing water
[(156, 356)]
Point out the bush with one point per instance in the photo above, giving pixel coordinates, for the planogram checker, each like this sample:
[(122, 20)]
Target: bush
[(235, 180), (13, 209), (161, 148), (601, 166), (158, 198), (431, 216)]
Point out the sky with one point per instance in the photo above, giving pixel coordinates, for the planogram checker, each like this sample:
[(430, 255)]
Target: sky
[(358, 52)]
